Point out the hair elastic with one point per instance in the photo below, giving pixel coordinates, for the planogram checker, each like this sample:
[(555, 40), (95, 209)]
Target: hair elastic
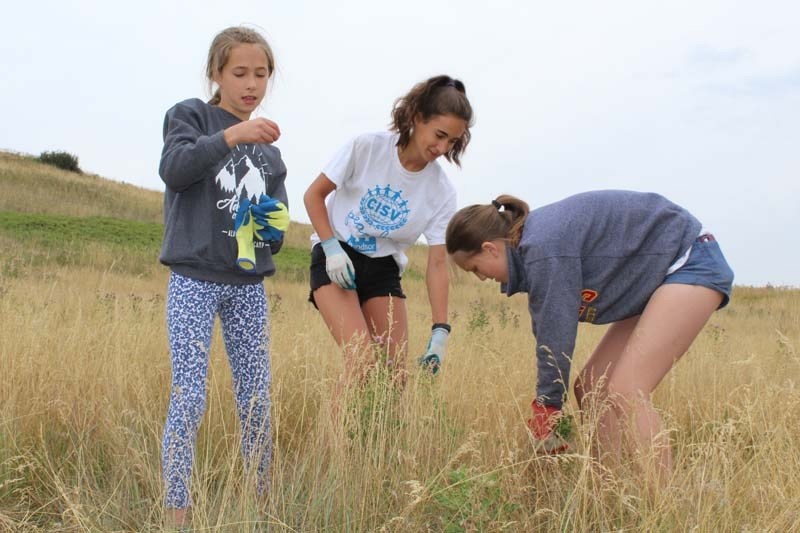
[(496, 204), (451, 83)]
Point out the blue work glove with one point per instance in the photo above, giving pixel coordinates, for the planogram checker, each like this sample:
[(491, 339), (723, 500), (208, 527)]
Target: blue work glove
[(338, 265), (243, 225), (437, 346), (271, 218)]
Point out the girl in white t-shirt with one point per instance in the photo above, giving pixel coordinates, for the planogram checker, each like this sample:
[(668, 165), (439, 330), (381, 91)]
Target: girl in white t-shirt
[(373, 200)]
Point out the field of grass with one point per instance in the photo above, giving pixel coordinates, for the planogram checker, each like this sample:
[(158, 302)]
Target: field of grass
[(85, 378)]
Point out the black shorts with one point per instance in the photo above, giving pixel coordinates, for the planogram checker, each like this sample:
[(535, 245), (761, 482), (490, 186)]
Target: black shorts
[(375, 276)]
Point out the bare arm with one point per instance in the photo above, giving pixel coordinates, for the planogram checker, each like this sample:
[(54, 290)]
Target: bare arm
[(437, 280), (314, 200)]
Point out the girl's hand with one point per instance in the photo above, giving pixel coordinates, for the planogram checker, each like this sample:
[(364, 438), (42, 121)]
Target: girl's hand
[(433, 357), (549, 428), (254, 131), (338, 265)]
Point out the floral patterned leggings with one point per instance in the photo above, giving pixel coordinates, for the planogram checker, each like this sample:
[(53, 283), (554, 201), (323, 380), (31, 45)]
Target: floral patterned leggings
[(191, 309)]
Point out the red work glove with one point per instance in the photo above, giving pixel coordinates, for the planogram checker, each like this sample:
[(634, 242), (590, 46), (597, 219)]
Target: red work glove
[(549, 429)]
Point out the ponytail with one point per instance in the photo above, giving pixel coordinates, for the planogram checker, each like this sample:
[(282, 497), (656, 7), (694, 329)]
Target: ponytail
[(473, 225), (216, 98)]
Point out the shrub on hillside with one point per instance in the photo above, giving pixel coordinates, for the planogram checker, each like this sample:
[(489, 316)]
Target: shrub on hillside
[(63, 160)]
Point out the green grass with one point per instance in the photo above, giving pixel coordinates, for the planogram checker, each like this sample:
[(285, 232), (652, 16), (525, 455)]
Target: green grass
[(292, 263), (466, 499), (59, 230), (50, 216), (132, 246)]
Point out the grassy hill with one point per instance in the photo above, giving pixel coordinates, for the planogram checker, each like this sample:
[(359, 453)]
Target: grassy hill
[(49, 215), (28, 186), (86, 380)]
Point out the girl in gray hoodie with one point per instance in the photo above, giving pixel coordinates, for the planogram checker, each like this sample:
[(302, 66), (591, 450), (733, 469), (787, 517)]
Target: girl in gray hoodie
[(216, 163), (633, 260)]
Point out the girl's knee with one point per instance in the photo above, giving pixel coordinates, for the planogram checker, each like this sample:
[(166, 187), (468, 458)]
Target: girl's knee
[(625, 395), (186, 410), (586, 387)]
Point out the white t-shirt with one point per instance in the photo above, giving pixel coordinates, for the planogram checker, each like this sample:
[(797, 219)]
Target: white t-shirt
[(380, 208)]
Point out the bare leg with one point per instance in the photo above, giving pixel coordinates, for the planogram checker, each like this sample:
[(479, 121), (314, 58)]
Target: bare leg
[(591, 385), (670, 322), (176, 518), (345, 320), (593, 378), (342, 314), (387, 320)]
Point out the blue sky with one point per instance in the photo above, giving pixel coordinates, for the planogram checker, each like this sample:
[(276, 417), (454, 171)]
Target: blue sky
[(697, 101)]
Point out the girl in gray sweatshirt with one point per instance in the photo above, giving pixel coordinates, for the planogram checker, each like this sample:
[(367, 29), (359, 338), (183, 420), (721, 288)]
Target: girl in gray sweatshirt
[(216, 163), (634, 260)]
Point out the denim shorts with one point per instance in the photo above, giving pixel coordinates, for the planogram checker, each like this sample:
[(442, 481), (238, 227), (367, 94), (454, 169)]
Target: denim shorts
[(707, 267), (375, 276)]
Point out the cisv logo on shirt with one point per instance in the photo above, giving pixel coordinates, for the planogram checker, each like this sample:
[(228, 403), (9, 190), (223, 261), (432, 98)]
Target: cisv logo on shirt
[(384, 209)]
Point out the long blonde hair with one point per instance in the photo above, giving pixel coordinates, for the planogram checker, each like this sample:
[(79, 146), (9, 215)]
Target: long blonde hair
[(220, 52), (473, 225)]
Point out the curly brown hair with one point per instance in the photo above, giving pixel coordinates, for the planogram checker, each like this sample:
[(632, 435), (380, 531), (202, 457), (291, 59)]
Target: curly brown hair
[(440, 95)]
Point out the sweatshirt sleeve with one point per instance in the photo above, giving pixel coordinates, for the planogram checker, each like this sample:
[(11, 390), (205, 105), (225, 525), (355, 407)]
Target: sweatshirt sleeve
[(276, 188), (189, 155), (554, 303)]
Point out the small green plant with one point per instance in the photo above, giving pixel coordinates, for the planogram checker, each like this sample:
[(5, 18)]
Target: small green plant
[(62, 160), (478, 317), (371, 411), (508, 316), (564, 426), (471, 501)]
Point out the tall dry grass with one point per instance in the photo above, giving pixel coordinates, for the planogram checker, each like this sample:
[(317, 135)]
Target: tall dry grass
[(85, 377), (29, 186), (84, 391)]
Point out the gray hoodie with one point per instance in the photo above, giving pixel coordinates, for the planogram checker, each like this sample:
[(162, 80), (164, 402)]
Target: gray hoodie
[(593, 257), (205, 182)]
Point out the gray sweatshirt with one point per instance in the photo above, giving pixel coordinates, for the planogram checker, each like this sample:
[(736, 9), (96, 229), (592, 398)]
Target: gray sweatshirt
[(593, 257), (205, 182)]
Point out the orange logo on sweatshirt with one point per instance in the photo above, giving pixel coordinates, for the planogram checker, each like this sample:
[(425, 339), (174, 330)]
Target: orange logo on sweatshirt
[(586, 312)]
